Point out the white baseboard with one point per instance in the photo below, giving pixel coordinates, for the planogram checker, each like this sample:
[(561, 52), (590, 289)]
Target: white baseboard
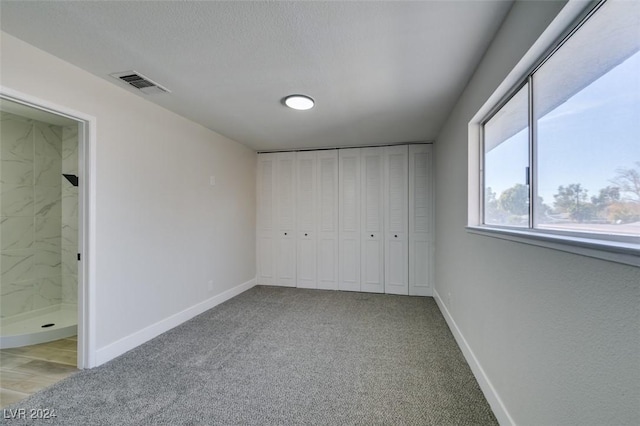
[(131, 341), (489, 391)]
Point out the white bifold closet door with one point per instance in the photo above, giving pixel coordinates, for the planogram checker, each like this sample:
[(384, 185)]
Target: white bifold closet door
[(421, 226), (396, 218), (285, 219), (306, 208), (317, 219), (372, 219), (265, 246), (349, 219), (327, 219), (356, 219)]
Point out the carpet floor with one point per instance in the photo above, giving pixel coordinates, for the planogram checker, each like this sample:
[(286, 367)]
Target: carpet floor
[(282, 356)]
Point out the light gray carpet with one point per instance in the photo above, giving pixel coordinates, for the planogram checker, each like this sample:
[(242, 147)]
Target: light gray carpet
[(283, 356)]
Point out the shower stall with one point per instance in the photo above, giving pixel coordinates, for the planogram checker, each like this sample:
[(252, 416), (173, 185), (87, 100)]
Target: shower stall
[(38, 225)]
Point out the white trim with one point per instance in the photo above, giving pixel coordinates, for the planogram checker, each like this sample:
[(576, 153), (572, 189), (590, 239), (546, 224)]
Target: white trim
[(87, 230), (136, 339), (613, 251), (490, 393), (87, 237)]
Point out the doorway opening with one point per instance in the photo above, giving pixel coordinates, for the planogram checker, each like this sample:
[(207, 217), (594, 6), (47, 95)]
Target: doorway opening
[(44, 233)]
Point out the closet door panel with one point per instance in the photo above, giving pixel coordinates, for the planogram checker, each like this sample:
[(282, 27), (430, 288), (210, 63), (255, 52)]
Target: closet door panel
[(372, 186), (286, 272), (327, 221), (354, 219), (265, 220), (285, 219), (421, 232), (306, 274), (306, 259), (396, 268), (396, 220), (371, 277), (327, 264), (349, 220), (266, 272)]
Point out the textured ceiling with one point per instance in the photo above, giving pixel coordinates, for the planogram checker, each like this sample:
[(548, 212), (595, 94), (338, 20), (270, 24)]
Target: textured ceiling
[(380, 72)]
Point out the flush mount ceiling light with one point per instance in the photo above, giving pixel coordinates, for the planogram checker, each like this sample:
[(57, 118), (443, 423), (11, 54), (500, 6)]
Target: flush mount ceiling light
[(299, 102)]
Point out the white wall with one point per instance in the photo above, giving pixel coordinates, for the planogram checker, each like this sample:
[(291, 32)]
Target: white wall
[(162, 231), (557, 334)]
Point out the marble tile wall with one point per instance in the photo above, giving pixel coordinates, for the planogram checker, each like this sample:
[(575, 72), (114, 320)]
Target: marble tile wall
[(31, 187), (69, 242)]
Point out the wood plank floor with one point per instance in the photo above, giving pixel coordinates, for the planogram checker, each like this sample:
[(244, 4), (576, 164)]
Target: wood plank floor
[(28, 369)]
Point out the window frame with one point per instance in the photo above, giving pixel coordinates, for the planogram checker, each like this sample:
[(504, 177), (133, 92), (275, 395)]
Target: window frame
[(613, 247)]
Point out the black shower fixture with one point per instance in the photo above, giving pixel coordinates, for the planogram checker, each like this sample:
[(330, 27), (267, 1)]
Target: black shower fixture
[(73, 179)]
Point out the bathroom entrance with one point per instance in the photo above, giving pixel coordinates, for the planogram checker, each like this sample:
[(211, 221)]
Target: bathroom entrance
[(41, 208)]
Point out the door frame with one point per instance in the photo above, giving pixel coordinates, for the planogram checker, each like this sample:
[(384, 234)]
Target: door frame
[(86, 215)]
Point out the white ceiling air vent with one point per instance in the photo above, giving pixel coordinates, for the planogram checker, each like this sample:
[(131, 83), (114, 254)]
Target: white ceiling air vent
[(140, 82)]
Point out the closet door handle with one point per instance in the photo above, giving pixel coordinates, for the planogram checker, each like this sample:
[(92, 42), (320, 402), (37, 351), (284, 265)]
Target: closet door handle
[(305, 235), (371, 235), (395, 236), (285, 233)]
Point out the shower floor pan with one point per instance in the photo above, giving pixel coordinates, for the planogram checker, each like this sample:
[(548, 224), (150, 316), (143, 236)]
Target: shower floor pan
[(30, 331)]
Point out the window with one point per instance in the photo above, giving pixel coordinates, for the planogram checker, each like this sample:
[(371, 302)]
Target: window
[(561, 156), (506, 163)]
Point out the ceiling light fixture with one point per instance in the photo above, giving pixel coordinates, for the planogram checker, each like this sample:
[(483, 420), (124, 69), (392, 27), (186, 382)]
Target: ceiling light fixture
[(299, 102)]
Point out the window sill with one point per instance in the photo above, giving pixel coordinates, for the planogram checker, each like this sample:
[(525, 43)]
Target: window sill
[(613, 251)]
